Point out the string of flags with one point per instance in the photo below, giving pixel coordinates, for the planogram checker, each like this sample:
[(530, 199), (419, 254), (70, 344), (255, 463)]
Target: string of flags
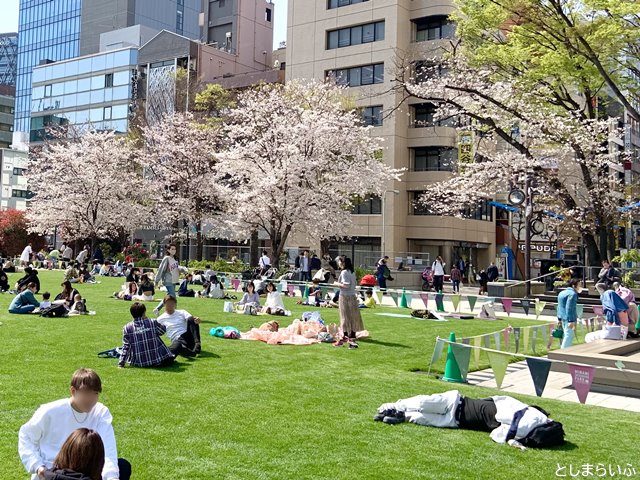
[(539, 368)]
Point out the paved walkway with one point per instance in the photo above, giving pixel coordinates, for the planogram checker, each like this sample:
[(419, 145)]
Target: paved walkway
[(518, 380)]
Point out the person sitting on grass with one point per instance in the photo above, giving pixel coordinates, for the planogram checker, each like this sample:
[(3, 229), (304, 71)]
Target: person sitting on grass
[(106, 270), (274, 304), (72, 275), (67, 295), (46, 300), (369, 301), (30, 275), (81, 457), (146, 290), (4, 280), (249, 299), (40, 440), (128, 291), (25, 301), (184, 290), (183, 329), (79, 306), (141, 342)]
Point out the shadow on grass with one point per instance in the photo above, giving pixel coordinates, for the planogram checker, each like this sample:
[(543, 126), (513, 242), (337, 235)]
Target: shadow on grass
[(384, 344), (205, 354), (568, 446)]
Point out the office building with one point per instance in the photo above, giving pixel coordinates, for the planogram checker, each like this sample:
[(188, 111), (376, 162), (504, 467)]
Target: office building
[(356, 43), (7, 101), (14, 192), (56, 30), (8, 58)]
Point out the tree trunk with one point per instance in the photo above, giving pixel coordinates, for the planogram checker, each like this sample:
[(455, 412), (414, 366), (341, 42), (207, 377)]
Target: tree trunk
[(593, 252), (324, 247), (199, 241), (255, 249), (278, 240)]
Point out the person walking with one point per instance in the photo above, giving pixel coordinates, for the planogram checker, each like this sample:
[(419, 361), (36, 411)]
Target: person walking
[(568, 312), (168, 273), (456, 278), (350, 318), (438, 274)]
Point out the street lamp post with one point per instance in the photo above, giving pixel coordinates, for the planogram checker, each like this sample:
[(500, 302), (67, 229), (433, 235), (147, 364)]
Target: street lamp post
[(384, 229), (528, 213)]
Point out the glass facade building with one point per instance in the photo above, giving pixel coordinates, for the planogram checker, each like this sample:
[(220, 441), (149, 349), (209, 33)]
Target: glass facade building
[(49, 30), (8, 58), (94, 91)]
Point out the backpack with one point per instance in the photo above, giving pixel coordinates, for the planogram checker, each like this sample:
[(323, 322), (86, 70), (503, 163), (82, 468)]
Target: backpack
[(56, 310), (551, 434)]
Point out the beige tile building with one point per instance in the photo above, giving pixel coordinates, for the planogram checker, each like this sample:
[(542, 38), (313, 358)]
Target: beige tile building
[(359, 43)]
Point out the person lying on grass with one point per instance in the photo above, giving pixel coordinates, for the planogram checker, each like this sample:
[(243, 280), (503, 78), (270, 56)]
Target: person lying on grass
[(183, 329), (141, 342), (41, 438)]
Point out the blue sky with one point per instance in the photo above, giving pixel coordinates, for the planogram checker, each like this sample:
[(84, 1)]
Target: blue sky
[(9, 19)]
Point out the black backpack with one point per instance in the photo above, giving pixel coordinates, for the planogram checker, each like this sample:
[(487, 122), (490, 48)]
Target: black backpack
[(550, 434), (56, 310)]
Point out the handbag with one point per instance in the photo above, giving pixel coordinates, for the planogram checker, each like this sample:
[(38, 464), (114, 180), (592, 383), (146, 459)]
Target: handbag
[(228, 307), (558, 332)]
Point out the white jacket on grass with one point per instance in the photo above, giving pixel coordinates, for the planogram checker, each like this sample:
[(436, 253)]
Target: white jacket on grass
[(41, 438)]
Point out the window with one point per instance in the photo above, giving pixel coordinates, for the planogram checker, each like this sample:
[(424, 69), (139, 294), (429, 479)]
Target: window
[(424, 70), (107, 113), (416, 207), (344, 37), (370, 205), (434, 28), (423, 116), (47, 91), (342, 3), (372, 115), (267, 15), (482, 211), (357, 76), (433, 159), (21, 194), (108, 80), (18, 171)]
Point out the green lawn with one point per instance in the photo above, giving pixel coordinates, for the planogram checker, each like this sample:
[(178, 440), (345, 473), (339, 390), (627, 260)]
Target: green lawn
[(246, 410)]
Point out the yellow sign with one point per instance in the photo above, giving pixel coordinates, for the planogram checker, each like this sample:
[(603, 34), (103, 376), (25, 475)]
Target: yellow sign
[(465, 149)]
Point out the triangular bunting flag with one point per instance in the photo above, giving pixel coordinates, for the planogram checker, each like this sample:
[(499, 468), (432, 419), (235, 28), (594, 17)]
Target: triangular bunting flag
[(539, 307), (476, 351), (534, 338), (526, 305), (516, 336), (409, 298), (440, 302), (437, 351), (539, 370), (394, 298), (378, 294), (282, 286), (545, 333), (580, 311), (507, 304), (472, 302), (323, 292), (487, 341), (462, 355), (425, 299), (582, 377), (455, 300), (496, 338), (505, 336), (466, 341), (499, 363), (235, 282), (525, 339)]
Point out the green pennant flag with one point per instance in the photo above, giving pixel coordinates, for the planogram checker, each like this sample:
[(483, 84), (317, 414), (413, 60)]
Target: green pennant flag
[(539, 370), (281, 286), (437, 351), (378, 295), (499, 363), (539, 307), (440, 302), (516, 336), (409, 298), (534, 337), (394, 298), (525, 339), (462, 354), (487, 341), (472, 302), (580, 311), (455, 299), (496, 338), (476, 351)]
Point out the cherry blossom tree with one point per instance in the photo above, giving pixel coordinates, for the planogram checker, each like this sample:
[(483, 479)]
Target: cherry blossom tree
[(297, 156), (520, 132), (87, 186), (179, 156)]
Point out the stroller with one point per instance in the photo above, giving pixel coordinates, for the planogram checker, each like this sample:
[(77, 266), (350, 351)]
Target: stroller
[(427, 279)]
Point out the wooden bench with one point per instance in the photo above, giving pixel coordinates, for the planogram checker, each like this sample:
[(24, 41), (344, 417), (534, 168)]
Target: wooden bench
[(605, 353)]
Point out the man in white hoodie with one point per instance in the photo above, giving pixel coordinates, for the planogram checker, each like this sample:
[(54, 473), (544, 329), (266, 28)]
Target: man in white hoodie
[(40, 439)]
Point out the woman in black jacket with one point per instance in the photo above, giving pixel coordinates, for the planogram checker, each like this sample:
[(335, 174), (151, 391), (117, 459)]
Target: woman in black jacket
[(30, 275), (81, 457)]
